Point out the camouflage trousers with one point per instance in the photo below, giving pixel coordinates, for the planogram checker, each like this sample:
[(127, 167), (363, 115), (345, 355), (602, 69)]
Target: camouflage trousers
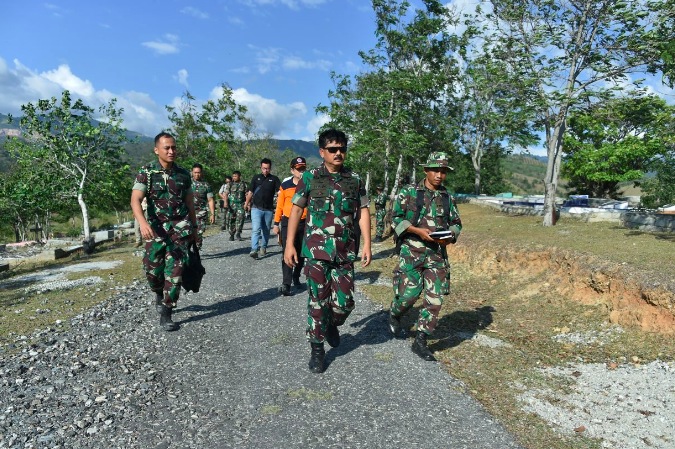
[(380, 214), (202, 218), (331, 296), (413, 276), (234, 219), (163, 264)]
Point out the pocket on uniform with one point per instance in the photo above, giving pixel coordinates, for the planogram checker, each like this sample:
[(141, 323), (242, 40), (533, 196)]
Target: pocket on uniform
[(348, 204), (396, 282), (183, 228), (319, 203)]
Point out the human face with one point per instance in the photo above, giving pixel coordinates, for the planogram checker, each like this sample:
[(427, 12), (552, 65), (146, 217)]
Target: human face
[(166, 151), (333, 155), (298, 171), (235, 177), (197, 174), (265, 169), (435, 176)]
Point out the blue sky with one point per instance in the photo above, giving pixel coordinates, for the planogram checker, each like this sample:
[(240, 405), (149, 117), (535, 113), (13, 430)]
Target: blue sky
[(275, 54)]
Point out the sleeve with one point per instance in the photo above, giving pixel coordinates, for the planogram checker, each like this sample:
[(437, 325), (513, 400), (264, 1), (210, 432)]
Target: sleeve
[(278, 212), (399, 221), (364, 200), (455, 221), (302, 191), (141, 181)]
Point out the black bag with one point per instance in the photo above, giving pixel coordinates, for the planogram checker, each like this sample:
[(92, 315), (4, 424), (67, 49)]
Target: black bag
[(193, 271)]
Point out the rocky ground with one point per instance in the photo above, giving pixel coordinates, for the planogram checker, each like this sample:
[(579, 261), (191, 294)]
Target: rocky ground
[(234, 375)]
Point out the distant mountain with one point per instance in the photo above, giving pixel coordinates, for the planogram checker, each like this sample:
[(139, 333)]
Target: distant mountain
[(300, 147)]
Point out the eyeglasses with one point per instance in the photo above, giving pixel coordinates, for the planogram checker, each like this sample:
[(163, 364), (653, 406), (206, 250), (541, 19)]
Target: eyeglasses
[(333, 150)]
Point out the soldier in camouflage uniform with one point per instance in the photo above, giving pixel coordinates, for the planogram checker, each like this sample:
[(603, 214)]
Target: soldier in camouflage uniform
[(170, 226), (235, 196), (204, 202), (423, 262), (380, 212), (336, 200)]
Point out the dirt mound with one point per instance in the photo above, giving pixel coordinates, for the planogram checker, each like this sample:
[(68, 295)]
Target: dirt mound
[(632, 298)]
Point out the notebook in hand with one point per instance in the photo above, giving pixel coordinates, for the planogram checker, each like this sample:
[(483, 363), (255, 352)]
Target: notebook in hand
[(440, 235)]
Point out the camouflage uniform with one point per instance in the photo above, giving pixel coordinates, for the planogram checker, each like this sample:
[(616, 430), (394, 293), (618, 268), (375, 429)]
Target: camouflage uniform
[(380, 212), (168, 217), (202, 192), (333, 201), (422, 265), (236, 196)]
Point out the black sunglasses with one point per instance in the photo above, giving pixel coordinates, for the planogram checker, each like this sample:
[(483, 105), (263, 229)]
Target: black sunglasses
[(300, 168), (333, 150)]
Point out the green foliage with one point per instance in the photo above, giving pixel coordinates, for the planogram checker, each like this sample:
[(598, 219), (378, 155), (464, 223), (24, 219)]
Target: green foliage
[(66, 158), (206, 134), (660, 189), (616, 141)]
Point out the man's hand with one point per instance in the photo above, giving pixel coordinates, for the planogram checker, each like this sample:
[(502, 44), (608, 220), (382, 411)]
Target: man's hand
[(275, 230), (212, 219), (366, 257), (290, 256)]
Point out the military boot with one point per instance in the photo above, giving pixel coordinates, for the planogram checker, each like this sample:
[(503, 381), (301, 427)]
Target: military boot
[(239, 236), (395, 326), (316, 361), (420, 347), (165, 319), (333, 336), (159, 301), (231, 237)]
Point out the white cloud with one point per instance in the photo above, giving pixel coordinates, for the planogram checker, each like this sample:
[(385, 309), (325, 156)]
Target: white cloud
[(182, 77), (169, 45), (295, 62), (269, 116), (293, 4), (272, 59), (20, 85), (314, 125), (194, 12)]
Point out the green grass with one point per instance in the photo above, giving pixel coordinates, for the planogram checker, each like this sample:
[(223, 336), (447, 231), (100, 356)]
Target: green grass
[(509, 287)]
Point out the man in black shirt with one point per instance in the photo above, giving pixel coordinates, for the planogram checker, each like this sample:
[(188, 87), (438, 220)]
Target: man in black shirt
[(260, 201)]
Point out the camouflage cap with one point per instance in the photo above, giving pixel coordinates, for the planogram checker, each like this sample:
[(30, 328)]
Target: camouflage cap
[(437, 159)]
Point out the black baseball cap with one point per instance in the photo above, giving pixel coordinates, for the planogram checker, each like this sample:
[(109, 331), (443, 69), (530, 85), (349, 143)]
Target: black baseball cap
[(297, 161)]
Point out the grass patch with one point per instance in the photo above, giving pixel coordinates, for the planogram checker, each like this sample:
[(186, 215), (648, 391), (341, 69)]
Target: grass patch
[(499, 326)]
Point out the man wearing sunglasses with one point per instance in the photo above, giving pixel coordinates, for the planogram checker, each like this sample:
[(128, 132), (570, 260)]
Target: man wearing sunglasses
[(336, 202), (281, 214)]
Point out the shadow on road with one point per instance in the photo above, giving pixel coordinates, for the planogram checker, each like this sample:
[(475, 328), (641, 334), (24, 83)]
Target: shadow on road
[(372, 331), (460, 326), (227, 306)]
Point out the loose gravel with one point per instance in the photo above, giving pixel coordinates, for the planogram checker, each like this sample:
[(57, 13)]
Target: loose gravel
[(235, 375)]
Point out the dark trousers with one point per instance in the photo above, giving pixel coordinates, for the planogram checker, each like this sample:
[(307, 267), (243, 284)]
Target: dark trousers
[(288, 272)]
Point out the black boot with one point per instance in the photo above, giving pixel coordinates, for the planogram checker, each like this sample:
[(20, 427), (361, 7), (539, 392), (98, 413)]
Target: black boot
[(165, 319), (420, 347), (159, 301), (231, 237), (239, 236), (285, 290), (395, 326), (333, 336), (316, 361)]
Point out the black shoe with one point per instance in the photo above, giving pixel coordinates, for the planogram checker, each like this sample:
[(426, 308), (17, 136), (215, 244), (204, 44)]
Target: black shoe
[(420, 347), (333, 336), (239, 236), (159, 301), (285, 290), (395, 326), (253, 254), (165, 319), (231, 237), (316, 360)]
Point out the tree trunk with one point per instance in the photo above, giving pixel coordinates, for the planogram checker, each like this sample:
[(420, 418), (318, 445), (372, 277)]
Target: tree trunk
[(368, 181), (85, 216), (554, 152)]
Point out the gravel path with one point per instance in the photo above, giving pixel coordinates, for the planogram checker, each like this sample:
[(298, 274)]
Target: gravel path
[(235, 375)]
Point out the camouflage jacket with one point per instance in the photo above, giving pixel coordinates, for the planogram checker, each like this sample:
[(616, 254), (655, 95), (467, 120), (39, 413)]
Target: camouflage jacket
[(333, 201), (202, 192), (432, 217), (236, 193), (381, 200), (166, 193)]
